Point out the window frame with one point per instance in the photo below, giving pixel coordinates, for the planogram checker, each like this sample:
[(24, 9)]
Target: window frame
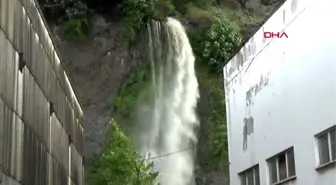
[(244, 173), (318, 147), (275, 159)]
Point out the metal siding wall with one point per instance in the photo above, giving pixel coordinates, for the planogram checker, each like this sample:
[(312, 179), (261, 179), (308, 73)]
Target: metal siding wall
[(2, 123), (8, 71), (59, 143), (76, 166), (40, 117)]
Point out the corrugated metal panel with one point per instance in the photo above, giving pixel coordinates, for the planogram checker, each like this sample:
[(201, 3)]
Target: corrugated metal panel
[(77, 136), (76, 166), (9, 180), (8, 119), (8, 71), (11, 138), (4, 14), (35, 164), (34, 146), (2, 124), (10, 20), (21, 18), (59, 142), (69, 117), (58, 175), (17, 24), (35, 107), (18, 149)]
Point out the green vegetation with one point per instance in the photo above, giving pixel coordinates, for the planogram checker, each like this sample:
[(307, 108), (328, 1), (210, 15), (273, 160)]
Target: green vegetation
[(196, 14), (215, 34), (73, 16), (214, 40), (135, 15), (120, 164), (136, 81), (218, 43), (213, 45), (212, 150)]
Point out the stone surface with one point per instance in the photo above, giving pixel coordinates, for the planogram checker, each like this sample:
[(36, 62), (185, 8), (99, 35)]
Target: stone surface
[(96, 67)]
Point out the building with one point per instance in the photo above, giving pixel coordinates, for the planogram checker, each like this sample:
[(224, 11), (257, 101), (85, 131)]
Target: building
[(281, 99), (41, 131)]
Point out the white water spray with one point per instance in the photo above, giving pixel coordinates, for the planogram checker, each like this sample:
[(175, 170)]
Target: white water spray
[(170, 116)]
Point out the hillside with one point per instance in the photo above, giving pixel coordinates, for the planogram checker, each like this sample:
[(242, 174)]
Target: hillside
[(104, 43)]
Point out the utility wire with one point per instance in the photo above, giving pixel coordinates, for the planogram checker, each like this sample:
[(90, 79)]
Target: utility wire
[(172, 153)]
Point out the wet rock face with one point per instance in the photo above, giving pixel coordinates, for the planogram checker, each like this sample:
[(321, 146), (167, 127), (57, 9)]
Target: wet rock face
[(96, 68)]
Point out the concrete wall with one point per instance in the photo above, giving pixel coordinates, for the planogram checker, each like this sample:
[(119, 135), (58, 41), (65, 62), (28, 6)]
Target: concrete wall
[(284, 92), (41, 132)]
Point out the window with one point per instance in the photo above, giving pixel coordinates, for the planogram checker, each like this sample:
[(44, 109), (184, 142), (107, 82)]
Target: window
[(326, 142), (282, 166), (250, 176)]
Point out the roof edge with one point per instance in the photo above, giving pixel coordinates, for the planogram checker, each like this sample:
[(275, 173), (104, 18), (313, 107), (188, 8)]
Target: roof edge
[(255, 30)]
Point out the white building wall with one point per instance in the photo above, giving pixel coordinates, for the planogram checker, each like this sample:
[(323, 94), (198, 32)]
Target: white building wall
[(293, 81)]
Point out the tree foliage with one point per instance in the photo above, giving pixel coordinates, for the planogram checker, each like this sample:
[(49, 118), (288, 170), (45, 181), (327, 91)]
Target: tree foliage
[(120, 164), (72, 15), (215, 44), (219, 43), (135, 14), (214, 39)]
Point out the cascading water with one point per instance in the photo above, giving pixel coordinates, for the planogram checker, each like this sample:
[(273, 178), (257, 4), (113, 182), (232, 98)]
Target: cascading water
[(170, 118)]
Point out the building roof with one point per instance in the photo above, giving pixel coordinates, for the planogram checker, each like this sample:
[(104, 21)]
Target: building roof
[(255, 29)]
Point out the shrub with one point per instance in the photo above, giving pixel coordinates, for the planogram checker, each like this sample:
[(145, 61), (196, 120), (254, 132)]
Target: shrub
[(240, 18), (163, 9), (134, 84), (75, 29), (120, 163), (196, 14), (219, 42), (136, 14), (72, 15)]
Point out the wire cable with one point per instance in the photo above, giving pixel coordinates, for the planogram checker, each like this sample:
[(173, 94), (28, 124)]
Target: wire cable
[(172, 153)]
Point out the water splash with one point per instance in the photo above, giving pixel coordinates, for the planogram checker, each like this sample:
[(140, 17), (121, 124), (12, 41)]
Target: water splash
[(170, 116)]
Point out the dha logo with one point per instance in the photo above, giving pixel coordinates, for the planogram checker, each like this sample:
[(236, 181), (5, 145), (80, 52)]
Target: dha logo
[(278, 35)]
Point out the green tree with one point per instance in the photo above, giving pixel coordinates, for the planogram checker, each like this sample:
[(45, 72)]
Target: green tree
[(219, 43), (136, 14), (120, 164), (71, 15)]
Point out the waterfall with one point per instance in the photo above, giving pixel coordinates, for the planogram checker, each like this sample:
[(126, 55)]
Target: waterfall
[(168, 139)]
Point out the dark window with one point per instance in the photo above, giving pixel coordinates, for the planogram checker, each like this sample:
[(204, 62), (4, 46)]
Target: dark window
[(324, 149), (282, 166), (243, 179), (333, 144), (273, 171), (291, 163), (327, 146), (250, 176), (257, 175)]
